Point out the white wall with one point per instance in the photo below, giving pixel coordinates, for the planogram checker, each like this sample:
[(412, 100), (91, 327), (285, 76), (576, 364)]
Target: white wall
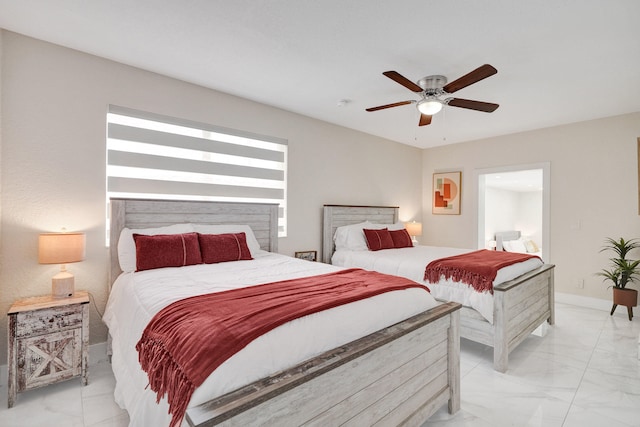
[(52, 170), (594, 191), (513, 210), (529, 217), (501, 211)]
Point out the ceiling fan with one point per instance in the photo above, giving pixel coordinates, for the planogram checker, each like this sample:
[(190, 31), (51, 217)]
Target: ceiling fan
[(432, 89)]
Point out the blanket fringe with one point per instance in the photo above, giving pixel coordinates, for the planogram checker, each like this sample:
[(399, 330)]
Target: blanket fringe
[(165, 377), (477, 281)]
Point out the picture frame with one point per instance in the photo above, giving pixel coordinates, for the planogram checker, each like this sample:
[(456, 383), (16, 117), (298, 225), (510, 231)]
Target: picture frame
[(307, 255), (446, 193)]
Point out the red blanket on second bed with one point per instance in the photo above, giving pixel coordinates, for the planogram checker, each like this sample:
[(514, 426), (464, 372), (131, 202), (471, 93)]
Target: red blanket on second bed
[(190, 338), (478, 269)]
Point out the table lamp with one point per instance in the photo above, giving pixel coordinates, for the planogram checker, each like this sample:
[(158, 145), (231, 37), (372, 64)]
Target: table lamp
[(61, 248), (414, 229)]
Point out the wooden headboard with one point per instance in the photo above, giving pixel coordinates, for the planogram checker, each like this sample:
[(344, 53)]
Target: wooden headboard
[(335, 216), (141, 213), (505, 236)]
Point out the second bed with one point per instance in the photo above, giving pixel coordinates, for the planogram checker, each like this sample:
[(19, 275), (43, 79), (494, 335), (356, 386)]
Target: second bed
[(522, 298)]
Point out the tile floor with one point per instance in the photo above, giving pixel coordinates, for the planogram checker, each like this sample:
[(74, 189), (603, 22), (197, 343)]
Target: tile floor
[(584, 372), (67, 404)]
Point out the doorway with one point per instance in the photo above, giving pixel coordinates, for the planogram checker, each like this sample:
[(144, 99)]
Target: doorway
[(514, 198)]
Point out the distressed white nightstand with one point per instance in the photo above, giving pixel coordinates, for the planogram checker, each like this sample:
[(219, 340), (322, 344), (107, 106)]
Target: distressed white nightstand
[(48, 341)]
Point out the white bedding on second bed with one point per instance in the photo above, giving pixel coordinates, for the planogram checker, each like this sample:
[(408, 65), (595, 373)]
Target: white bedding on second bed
[(411, 263), (136, 297)]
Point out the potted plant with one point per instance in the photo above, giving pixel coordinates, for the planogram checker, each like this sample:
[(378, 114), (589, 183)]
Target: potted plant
[(622, 272)]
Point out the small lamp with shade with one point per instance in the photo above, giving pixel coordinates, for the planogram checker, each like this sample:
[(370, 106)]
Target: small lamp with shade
[(61, 248), (414, 229)]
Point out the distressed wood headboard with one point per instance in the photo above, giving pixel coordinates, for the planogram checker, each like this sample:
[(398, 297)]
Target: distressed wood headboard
[(143, 213), (335, 216)]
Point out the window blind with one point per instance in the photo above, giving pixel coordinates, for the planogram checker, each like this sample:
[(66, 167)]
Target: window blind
[(158, 157)]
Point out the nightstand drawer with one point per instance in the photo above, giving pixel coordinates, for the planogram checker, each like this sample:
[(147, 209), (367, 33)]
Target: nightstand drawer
[(43, 321)]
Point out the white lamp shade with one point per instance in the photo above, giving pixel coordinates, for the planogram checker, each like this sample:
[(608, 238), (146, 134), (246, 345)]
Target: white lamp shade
[(414, 228), (429, 106), (61, 248)]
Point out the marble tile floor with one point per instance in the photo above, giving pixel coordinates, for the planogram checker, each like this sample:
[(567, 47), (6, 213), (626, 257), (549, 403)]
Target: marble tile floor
[(67, 404), (584, 372)]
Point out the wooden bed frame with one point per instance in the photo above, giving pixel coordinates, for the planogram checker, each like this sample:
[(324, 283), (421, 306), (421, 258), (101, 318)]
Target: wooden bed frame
[(399, 375), (520, 305)]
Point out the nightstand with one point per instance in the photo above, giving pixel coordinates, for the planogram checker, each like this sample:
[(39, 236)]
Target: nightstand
[(48, 341)]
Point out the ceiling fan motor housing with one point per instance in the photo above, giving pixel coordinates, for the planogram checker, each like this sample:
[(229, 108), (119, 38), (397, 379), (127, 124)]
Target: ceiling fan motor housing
[(432, 84)]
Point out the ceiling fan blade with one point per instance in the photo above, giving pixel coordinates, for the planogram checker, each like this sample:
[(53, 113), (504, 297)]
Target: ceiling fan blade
[(399, 78), (487, 107), (424, 120), (395, 104), (475, 76)]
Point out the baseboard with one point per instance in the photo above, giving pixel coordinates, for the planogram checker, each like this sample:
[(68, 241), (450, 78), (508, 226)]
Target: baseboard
[(97, 354), (588, 302)]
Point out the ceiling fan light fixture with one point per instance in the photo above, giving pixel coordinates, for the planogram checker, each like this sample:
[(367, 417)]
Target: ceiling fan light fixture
[(429, 107), (432, 88)]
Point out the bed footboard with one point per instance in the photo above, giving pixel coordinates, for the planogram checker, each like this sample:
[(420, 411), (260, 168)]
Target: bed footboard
[(397, 376), (520, 306)]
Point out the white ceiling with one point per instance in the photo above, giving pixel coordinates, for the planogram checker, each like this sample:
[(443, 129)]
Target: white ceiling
[(524, 181), (558, 61)]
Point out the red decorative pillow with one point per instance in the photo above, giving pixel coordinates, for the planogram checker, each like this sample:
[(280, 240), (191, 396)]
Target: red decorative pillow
[(224, 247), (378, 239), (166, 250), (401, 238)]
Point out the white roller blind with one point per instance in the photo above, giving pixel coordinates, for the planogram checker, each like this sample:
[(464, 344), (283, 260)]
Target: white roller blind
[(158, 157)]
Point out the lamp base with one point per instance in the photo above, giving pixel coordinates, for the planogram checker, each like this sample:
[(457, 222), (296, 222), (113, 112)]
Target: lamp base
[(62, 285), (414, 241)]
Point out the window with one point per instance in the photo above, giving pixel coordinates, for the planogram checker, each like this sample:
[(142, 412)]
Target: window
[(157, 157)]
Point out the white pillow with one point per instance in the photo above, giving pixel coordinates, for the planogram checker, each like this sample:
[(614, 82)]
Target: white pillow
[(252, 242), (127, 247), (515, 246), (351, 237)]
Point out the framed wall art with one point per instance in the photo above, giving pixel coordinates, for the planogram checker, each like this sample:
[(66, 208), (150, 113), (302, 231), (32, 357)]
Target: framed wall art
[(446, 193), (307, 255)]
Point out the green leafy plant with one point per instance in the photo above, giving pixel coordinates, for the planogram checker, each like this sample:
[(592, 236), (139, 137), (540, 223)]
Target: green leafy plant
[(622, 271)]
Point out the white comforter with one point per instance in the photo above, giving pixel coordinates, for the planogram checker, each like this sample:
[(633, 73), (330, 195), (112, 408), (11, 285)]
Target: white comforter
[(136, 297), (411, 263)]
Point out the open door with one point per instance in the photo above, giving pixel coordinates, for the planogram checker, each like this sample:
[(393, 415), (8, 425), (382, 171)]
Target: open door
[(514, 198)]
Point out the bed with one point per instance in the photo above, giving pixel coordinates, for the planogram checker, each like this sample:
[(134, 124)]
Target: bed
[(398, 374), (512, 241), (518, 306)]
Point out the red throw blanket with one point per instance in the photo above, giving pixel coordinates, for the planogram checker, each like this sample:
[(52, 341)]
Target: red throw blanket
[(190, 338), (477, 269)]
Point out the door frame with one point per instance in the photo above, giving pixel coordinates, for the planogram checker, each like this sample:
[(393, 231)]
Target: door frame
[(479, 201)]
